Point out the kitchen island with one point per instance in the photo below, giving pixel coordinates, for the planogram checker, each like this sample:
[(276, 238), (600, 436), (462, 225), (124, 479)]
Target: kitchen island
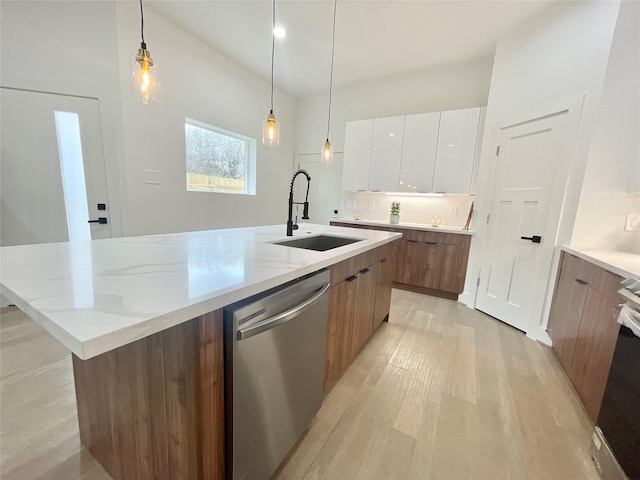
[(143, 319)]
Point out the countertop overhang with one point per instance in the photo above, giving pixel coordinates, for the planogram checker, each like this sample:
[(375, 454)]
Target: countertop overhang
[(100, 295)]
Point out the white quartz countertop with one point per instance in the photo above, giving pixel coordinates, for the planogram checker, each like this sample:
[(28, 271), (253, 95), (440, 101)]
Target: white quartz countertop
[(413, 226), (626, 265), (99, 295)]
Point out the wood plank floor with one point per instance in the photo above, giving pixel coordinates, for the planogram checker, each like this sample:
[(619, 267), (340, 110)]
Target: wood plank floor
[(441, 392)]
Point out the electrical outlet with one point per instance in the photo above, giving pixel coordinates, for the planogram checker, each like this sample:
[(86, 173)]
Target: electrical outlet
[(152, 177), (372, 206), (453, 210), (633, 223)]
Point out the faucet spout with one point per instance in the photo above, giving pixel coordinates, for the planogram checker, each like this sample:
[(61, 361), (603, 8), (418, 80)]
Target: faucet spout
[(305, 211)]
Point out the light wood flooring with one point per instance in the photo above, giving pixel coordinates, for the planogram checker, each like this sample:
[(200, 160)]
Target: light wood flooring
[(441, 392)]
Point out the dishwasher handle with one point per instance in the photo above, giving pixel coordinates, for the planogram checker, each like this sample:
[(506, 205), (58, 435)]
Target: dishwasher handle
[(283, 317)]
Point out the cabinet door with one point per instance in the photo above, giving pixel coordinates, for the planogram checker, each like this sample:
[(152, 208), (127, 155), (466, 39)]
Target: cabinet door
[(594, 349), (456, 150), (447, 268), (419, 152), (565, 316), (386, 152), (419, 264), (339, 331), (384, 283), (364, 306), (357, 155)]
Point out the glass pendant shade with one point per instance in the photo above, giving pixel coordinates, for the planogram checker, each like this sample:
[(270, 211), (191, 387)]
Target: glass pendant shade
[(145, 80), (271, 131), (327, 153)]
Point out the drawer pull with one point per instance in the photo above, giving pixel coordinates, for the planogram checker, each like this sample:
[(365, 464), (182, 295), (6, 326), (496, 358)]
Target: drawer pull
[(580, 282), (431, 243), (412, 241), (363, 271), (352, 278), (383, 260)]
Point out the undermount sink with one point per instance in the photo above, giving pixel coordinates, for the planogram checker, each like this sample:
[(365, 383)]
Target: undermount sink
[(319, 243)]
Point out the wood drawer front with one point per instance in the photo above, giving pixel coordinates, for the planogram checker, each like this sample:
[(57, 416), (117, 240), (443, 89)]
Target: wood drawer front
[(433, 237), (596, 277), (349, 267)]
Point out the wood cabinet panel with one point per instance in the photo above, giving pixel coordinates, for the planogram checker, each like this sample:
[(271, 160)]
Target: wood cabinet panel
[(364, 307), (154, 408), (384, 283), (594, 349), (583, 326), (566, 315)]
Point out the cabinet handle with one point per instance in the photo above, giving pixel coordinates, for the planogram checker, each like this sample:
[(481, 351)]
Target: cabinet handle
[(352, 278), (431, 243), (366, 270), (580, 282), (412, 241), (383, 260)]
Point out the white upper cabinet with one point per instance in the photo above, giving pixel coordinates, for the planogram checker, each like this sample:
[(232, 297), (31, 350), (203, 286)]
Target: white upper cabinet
[(357, 155), (386, 152), (419, 152), (428, 152), (457, 139)]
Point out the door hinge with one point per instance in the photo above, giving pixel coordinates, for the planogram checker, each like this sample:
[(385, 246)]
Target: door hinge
[(488, 216), (478, 282), (498, 150)]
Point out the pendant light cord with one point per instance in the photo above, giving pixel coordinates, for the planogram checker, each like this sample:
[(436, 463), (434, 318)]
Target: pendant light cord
[(273, 48), (144, 45), (333, 49)]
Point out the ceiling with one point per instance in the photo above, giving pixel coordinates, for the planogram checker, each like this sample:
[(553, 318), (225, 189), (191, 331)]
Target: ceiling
[(374, 38)]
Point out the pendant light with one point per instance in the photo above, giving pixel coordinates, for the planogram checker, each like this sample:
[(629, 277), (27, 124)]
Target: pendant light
[(327, 150), (270, 128), (145, 81)]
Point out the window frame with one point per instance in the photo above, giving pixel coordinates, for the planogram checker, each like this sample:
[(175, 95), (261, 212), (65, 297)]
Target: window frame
[(250, 159)]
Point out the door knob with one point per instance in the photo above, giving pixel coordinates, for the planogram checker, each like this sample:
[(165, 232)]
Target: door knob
[(100, 220), (534, 239)]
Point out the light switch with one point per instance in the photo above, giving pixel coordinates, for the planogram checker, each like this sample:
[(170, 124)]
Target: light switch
[(633, 223), (152, 177)]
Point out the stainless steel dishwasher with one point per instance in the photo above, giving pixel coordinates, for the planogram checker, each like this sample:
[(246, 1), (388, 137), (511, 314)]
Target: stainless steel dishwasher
[(275, 351)]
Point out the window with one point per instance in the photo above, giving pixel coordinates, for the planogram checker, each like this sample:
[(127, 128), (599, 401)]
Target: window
[(218, 160)]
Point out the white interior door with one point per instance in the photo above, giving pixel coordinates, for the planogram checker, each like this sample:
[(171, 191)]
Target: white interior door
[(53, 178), (529, 185), (324, 194)]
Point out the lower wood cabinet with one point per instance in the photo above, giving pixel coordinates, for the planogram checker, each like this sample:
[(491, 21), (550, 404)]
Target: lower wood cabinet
[(583, 326), (429, 262), (359, 301)]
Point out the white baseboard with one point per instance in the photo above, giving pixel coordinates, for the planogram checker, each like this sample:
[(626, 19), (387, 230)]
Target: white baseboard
[(539, 335)]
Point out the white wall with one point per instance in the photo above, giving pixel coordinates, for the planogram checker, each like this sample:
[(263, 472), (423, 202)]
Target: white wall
[(200, 83), (605, 200), (71, 48), (558, 54)]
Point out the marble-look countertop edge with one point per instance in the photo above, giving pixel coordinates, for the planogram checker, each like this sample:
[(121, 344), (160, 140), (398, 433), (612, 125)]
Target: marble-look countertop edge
[(621, 263), (114, 339), (410, 226)]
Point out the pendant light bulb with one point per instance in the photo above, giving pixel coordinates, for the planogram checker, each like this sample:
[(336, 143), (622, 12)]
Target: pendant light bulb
[(145, 81), (271, 128), (327, 153), (271, 131)]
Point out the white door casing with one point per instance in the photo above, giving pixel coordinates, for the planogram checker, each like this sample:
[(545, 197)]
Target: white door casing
[(32, 196), (530, 181)]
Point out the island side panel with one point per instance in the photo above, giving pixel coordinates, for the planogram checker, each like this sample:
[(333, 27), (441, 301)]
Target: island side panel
[(154, 408)]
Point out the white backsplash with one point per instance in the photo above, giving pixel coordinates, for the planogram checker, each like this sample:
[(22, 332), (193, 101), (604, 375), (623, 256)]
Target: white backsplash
[(376, 206)]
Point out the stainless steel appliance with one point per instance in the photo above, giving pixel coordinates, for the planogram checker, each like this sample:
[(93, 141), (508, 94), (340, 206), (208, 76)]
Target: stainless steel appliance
[(616, 441), (275, 352)]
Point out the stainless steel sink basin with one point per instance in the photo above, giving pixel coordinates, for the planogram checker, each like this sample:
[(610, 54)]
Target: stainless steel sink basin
[(320, 243)]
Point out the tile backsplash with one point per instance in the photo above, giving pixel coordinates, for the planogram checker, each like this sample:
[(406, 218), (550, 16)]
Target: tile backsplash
[(453, 209)]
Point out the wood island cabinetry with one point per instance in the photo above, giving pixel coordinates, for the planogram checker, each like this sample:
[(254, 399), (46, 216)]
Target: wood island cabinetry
[(583, 326)]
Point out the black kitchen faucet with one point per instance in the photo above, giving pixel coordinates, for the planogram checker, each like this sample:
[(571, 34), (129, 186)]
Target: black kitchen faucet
[(305, 211)]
